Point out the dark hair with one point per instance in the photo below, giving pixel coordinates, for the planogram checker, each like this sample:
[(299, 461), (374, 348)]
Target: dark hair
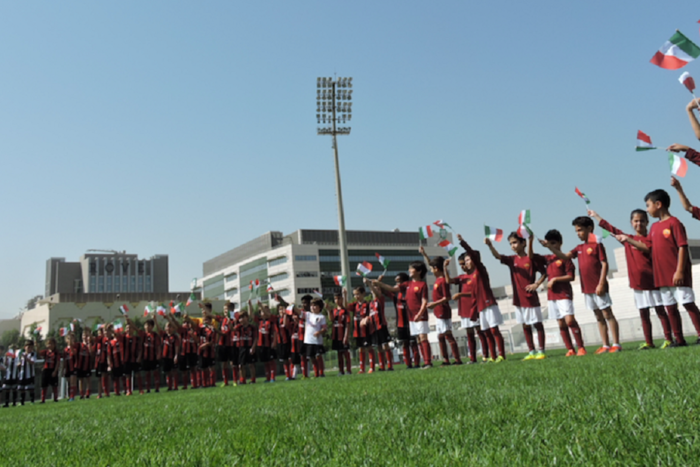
[(150, 322), (639, 212), (583, 221), (437, 262), (318, 302), (360, 289), (208, 306), (403, 277), (516, 236), (462, 257), (242, 314), (553, 236), (307, 297), (420, 267), (660, 196), (338, 294), (28, 342)]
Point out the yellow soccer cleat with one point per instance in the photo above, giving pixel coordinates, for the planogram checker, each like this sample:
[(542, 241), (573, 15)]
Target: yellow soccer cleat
[(540, 356), (500, 359)]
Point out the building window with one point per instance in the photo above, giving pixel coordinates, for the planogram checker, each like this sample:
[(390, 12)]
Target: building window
[(279, 277), (125, 284), (213, 285), (133, 284), (101, 284), (78, 286), (140, 284), (232, 277), (307, 274), (305, 258), (93, 284), (148, 283), (109, 284), (283, 293), (306, 290), (278, 261)]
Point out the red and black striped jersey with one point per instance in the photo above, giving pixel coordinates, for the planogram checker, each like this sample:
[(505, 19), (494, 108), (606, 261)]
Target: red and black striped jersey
[(70, 356), (206, 336), (100, 350), (188, 340), (131, 347), (282, 329), (82, 359), (266, 329), (339, 323), (376, 314), (226, 329), (150, 345), (50, 357), (115, 350), (400, 307), (246, 335), (170, 344), (359, 310)]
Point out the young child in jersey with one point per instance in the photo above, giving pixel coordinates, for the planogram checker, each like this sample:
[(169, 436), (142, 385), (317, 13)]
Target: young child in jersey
[(362, 331), (284, 344), (403, 331), (266, 338), (116, 364), (340, 331), (223, 349), (25, 373), (560, 305), (314, 329), (527, 303), (170, 349), (49, 372), (149, 354), (9, 385), (247, 346), (593, 268), (416, 293), (207, 336), (466, 306), (441, 308), (100, 352), (70, 358), (671, 262), (82, 365), (132, 352), (380, 336), (187, 360), (641, 275)]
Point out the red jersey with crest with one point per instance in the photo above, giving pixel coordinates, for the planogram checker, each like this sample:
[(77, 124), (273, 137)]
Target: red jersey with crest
[(188, 340), (441, 289), (70, 356), (169, 345), (226, 328), (359, 310), (131, 347), (590, 264), (553, 266), (466, 306), (482, 283), (522, 273), (296, 336), (265, 332), (282, 329), (667, 238), (206, 336), (50, 357), (100, 350), (415, 292), (150, 344), (82, 358), (376, 314), (115, 350), (339, 323), (400, 307), (246, 335), (639, 268)]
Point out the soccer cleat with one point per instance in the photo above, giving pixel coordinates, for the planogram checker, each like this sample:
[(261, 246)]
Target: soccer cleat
[(425, 367), (288, 379), (490, 360), (616, 348), (500, 359), (140, 392), (646, 346), (370, 371), (361, 372), (679, 344), (457, 362), (530, 356), (666, 344), (570, 353), (602, 349), (581, 352), (540, 356), (445, 364), (486, 359)]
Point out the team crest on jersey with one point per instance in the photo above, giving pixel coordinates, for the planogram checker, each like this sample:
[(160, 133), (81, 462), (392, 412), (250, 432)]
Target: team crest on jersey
[(526, 265), (558, 262), (667, 233), (435, 287), (415, 289), (589, 251), (469, 281)]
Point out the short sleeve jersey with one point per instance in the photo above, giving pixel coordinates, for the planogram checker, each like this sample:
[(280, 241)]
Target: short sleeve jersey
[(522, 274), (376, 314), (149, 346), (400, 307), (466, 306), (360, 310), (639, 268), (482, 282), (314, 324), (206, 336), (556, 267), (667, 238), (339, 324), (415, 292), (170, 342), (590, 264), (50, 359), (441, 289)]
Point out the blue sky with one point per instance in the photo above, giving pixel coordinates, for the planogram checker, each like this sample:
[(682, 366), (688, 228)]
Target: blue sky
[(189, 128)]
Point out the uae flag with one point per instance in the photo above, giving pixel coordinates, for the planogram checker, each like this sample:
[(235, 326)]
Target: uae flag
[(124, 309), (97, 326), (37, 330), (584, 197), (118, 325), (364, 268), (451, 249), (161, 310), (523, 231), (593, 238), (382, 260), (496, 235), (177, 309), (289, 310), (644, 141), (339, 280), (676, 53), (148, 310), (687, 81), (524, 217), (679, 166), (425, 232), (191, 299)]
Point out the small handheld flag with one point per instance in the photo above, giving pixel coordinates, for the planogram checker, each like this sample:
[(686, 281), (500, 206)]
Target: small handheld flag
[(451, 249), (523, 231), (317, 293), (425, 232), (687, 81), (676, 53), (270, 289), (593, 238), (290, 309), (583, 197), (72, 327), (442, 224), (679, 166), (643, 142), (191, 299), (148, 310), (118, 325), (364, 268), (37, 330), (382, 260), (161, 310), (524, 217), (494, 234), (339, 280), (63, 332), (124, 309)]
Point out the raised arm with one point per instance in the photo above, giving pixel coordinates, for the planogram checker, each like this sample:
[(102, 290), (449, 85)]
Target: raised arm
[(637, 244), (425, 256), (687, 205), (559, 254), (693, 119), (386, 287), (494, 252), (690, 154), (446, 271)]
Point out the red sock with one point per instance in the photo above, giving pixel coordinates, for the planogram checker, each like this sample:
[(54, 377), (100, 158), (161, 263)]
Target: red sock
[(235, 373), (304, 368), (443, 348), (484, 343), (389, 359), (348, 362), (362, 361), (372, 358), (252, 374), (471, 343), (565, 336), (105, 385), (116, 386), (138, 378), (663, 317), (341, 357), (380, 355), (314, 362), (320, 364), (576, 331), (156, 380), (646, 325), (490, 339), (499, 341), (425, 348), (540, 335), (527, 330), (454, 347), (694, 313), (407, 354), (416, 354), (224, 373), (43, 394), (674, 318), (54, 389)]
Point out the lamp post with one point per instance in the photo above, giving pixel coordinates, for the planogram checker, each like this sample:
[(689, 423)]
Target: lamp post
[(334, 106)]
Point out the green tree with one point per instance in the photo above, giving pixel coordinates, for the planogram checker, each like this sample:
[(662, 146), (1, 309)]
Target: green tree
[(9, 337)]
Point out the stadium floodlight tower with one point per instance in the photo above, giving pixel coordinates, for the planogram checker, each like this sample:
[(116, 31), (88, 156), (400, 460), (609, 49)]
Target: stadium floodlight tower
[(333, 107)]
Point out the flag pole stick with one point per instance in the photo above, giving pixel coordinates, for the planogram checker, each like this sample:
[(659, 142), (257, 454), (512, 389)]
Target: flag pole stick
[(696, 100)]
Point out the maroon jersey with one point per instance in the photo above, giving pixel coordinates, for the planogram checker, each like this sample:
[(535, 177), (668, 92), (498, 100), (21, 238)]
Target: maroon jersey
[(82, 358), (376, 314), (339, 322), (188, 340), (100, 350), (226, 327), (169, 345), (441, 289), (296, 336), (206, 336), (522, 273), (359, 310), (639, 267), (693, 156), (115, 350), (667, 238), (400, 307), (150, 344), (415, 292), (555, 267), (131, 348), (283, 329), (482, 283), (265, 330), (70, 356), (235, 336), (466, 306), (50, 357), (246, 335), (590, 264)]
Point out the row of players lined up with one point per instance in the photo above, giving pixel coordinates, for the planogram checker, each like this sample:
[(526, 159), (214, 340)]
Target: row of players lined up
[(659, 273)]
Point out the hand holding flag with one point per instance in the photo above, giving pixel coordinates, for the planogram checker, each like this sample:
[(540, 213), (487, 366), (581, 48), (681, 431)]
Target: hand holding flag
[(364, 268), (679, 166), (493, 234), (383, 261)]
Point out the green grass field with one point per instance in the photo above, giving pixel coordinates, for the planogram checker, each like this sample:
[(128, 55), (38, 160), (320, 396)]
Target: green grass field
[(633, 408)]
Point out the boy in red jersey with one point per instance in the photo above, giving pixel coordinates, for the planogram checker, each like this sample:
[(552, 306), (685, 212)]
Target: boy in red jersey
[(671, 263), (149, 354), (416, 293), (116, 364), (560, 295), (169, 354), (187, 360), (489, 314), (224, 342), (284, 343), (132, 349), (362, 331), (593, 269), (403, 331), (100, 352), (641, 275), (527, 303), (246, 347), (206, 333), (340, 331), (380, 336), (82, 364), (49, 373), (466, 303), (266, 338), (70, 357)]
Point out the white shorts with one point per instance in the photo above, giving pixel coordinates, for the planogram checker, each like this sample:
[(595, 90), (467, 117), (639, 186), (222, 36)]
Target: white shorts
[(419, 327), (558, 309), (532, 315), (443, 325), (647, 298), (675, 295), (596, 302), (469, 323), (490, 317)]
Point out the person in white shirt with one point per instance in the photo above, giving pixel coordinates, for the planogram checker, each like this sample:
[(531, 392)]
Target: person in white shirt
[(313, 335)]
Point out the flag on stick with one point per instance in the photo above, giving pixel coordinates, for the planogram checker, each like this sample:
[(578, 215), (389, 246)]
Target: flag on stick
[(63, 332), (148, 310), (425, 232), (679, 166), (191, 299), (523, 231), (593, 238), (97, 326), (442, 224), (643, 142), (687, 81), (583, 197), (382, 260), (451, 249), (496, 235), (676, 53), (37, 330), (364, 268), (270, 289), (339, 280), (524, 217), (161, 309), (124, 309), (118, 325), (290, 309), (317, 293)]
